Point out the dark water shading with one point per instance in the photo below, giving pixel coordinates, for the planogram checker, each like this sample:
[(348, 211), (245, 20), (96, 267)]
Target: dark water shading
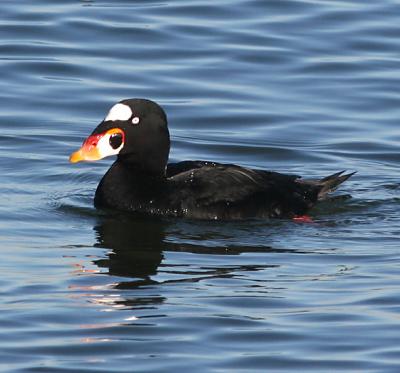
[(304, 87)]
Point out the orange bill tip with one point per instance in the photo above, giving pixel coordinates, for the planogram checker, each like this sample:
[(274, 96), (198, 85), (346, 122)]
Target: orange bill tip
[(76, 156), (85, 154), (88, 151)]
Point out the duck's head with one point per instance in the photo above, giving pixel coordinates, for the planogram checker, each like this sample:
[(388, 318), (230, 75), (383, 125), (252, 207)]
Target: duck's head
[(136, 131)]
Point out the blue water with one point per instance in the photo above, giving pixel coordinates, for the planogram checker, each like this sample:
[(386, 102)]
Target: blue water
[(299, 86)]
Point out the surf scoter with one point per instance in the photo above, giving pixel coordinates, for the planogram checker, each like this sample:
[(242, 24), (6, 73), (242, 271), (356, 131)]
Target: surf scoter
[(140, 180)]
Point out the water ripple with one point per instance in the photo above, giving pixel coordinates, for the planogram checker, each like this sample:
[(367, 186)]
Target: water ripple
[(304, 87)]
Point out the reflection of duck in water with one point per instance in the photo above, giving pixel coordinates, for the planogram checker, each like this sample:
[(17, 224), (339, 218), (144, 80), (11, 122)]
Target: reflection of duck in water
[(135, 246), (140, 180)]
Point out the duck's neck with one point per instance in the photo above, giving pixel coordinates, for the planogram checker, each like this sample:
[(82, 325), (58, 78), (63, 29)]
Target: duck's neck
[(128, 186), (149, 169)]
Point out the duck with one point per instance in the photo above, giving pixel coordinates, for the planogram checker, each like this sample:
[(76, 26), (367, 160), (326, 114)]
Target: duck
[(142, 181)]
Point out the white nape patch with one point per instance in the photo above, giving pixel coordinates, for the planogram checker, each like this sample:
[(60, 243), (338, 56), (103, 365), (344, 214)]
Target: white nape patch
[(119, 112), (135, 120), (104, 147)]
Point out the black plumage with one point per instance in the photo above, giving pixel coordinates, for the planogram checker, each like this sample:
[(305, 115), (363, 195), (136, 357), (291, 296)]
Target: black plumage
[(140, 179)]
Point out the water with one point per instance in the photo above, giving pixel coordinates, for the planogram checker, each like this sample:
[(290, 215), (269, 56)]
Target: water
[(307, 87)]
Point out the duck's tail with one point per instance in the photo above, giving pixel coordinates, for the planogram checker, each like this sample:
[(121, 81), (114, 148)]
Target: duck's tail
[(330, 183)]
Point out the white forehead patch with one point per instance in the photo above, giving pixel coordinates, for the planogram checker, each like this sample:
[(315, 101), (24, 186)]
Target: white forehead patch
[(119, 112)]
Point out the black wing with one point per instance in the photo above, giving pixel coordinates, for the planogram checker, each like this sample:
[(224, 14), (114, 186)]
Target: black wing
[(207, 189)]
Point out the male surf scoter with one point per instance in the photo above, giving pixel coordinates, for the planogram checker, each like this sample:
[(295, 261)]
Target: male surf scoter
[(140, 180)]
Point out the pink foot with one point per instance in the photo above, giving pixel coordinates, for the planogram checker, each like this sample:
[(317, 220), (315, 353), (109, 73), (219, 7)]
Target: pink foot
[(303, 219)]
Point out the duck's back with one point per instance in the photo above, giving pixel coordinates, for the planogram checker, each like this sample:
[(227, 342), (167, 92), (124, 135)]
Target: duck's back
[(209, 190)]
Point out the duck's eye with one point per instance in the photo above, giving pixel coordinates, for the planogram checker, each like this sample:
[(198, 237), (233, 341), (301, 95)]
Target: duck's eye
[(115, 140), (135, 120)]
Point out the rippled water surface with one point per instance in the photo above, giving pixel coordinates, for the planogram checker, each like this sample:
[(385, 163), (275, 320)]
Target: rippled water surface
[(300, 86)]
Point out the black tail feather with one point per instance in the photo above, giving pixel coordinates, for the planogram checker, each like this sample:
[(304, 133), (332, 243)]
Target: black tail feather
[(330, 183)]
